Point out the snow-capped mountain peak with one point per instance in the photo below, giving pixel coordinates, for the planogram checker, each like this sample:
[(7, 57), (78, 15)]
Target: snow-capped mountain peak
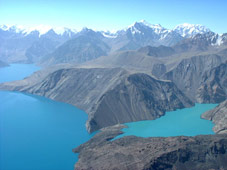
[(189, 30), (156, 26), (139, 26)]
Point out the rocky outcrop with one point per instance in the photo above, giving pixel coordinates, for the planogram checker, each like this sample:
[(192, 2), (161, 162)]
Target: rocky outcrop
[(213, 87), (218, 116), (109, 95), (173, 153), (188, 74)]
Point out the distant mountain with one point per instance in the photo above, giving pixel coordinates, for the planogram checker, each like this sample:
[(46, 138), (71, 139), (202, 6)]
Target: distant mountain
[(46, 44), (28, 45), (201, 42), (197, 43), (189, 30), (86, 45), (41, 29), (141, 34)]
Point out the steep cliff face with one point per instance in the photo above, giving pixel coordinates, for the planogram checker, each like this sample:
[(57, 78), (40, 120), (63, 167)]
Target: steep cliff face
[(187, 75), (79, 87), (137, 97), (218, 116), (109, 96), (213, 88), (173, 153)]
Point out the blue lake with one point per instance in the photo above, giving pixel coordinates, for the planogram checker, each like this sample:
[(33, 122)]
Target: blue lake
[(185, 122), (37, 133), (16, 72)]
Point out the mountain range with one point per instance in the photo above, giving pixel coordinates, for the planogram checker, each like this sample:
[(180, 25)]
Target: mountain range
[(46, 45)]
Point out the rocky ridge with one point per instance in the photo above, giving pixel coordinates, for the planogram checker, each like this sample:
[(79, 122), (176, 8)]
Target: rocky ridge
[(187, 75), (213, 87), (178, 153), (218, 116)]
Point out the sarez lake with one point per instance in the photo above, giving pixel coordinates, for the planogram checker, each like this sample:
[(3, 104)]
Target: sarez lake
[(37, 133)]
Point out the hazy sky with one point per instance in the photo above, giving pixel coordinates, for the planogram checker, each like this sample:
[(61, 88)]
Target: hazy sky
[(114, 14)]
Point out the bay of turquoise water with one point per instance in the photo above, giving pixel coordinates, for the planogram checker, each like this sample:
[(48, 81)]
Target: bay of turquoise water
[(37, 133), (186, 122)]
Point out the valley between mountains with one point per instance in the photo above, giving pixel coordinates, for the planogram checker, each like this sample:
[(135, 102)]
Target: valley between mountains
[(135, 74)]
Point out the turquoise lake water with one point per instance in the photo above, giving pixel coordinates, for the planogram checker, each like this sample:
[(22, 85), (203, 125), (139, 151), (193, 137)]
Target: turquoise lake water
[(185, 122), (37, 133)]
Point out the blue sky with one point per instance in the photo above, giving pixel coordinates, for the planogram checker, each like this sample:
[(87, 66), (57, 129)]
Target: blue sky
[(114, 14)]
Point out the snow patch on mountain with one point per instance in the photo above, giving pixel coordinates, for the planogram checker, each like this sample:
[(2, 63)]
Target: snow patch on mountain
[(109, 34)]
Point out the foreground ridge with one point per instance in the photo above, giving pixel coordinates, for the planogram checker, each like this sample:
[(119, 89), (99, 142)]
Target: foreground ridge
[(135, 153)]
